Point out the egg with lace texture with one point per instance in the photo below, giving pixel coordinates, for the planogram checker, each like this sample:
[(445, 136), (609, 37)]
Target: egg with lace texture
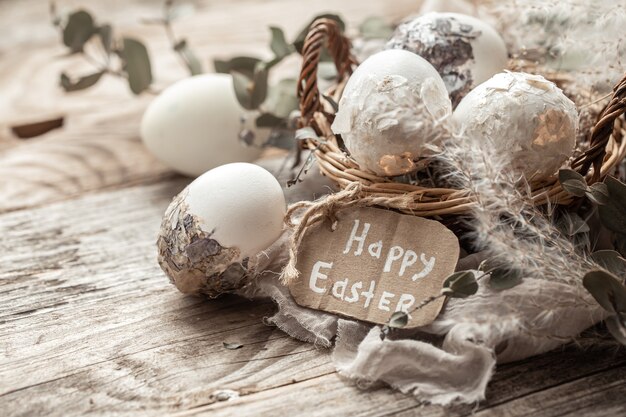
[(465, 50), (214, 232), (523, 116), (390, 112)]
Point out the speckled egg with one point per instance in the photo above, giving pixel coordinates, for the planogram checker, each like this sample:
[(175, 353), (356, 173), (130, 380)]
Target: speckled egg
[(390, 111), (465, 50), (525, 117), (213, 231)]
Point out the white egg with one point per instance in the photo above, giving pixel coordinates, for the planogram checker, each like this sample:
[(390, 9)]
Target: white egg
[(523, 116), (454, 6), (390, 111), (465, 50), (213, 231), (194, 125)]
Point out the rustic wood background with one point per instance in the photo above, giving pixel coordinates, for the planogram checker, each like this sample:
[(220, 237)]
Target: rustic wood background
[(88, 322)]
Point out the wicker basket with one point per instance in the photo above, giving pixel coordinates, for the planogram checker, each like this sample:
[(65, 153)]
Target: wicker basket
[(603, 149)]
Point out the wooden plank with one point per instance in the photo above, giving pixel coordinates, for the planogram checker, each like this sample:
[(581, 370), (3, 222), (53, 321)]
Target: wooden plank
[(89, 324), (99, 146)]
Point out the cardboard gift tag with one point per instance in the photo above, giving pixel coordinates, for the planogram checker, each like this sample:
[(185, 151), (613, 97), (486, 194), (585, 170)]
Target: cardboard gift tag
[(375, 262)]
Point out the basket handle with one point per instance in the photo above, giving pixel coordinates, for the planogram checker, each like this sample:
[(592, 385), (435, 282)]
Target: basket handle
[(601, 132), (321, 30)]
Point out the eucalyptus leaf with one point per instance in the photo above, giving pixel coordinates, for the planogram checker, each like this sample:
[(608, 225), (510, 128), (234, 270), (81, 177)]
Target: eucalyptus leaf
[(503, 278), (136, 64), (607, 289), (461, 284), (279, 44), (375, 27), (282, 98), (398, 320), (243, 89), (598, 193), (105, 34), (305, 133), (232, 346), (616, 325), (191, 60), (280, 138), (575, 187), (242, 64), (570, 174), (298, 43), (81, 83), (79, 28), (571, 224), (610, 260), (269, 120), (259, 86), (613, 213)]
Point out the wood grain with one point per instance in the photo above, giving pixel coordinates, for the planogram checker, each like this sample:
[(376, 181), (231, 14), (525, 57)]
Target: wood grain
[(90, 325)]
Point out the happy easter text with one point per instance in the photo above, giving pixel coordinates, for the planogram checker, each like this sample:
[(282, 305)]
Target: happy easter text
[(396, 261)]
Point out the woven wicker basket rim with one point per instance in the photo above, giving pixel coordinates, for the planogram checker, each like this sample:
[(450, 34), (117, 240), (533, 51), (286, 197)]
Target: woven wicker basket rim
[(606, 150)]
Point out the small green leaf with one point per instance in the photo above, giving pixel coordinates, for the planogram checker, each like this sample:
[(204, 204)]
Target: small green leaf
[(280, 138), (616, 325), (305, 133), (503, 279), (136, 64), (610, 260), (575, 187), (461, 284), (242, 64), (598, 193), (613, 213), (269, 120), (105, 34), (571, 224), (78, 30), (299, 42), (607, 289), (81, 83), (243, 89), (279, 44), (191, 60), (398, 320), (282, 98), (259, 86), (232, 346), (375, 28), (570, 174)]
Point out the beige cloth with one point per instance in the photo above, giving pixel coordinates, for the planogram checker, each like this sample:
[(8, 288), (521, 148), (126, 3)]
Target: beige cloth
[(452, 359)]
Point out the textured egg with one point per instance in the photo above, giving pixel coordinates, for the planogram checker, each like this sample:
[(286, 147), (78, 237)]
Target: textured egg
[(525, 117), (193, 125), (214, 229), (465, 50), (390, 111)]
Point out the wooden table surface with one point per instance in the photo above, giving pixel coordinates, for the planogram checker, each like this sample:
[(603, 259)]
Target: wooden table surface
[(88, 322)]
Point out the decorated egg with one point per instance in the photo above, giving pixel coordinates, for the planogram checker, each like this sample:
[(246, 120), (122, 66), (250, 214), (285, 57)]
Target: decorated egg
[(214, 229), (390, 110), (523, 116), (193, 125), (465, 50)]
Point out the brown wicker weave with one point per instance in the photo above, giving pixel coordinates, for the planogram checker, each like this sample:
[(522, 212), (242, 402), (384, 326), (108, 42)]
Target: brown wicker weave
[(605, 149)]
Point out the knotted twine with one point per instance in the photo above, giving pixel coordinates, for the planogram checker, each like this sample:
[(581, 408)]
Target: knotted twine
[(314, 212)]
